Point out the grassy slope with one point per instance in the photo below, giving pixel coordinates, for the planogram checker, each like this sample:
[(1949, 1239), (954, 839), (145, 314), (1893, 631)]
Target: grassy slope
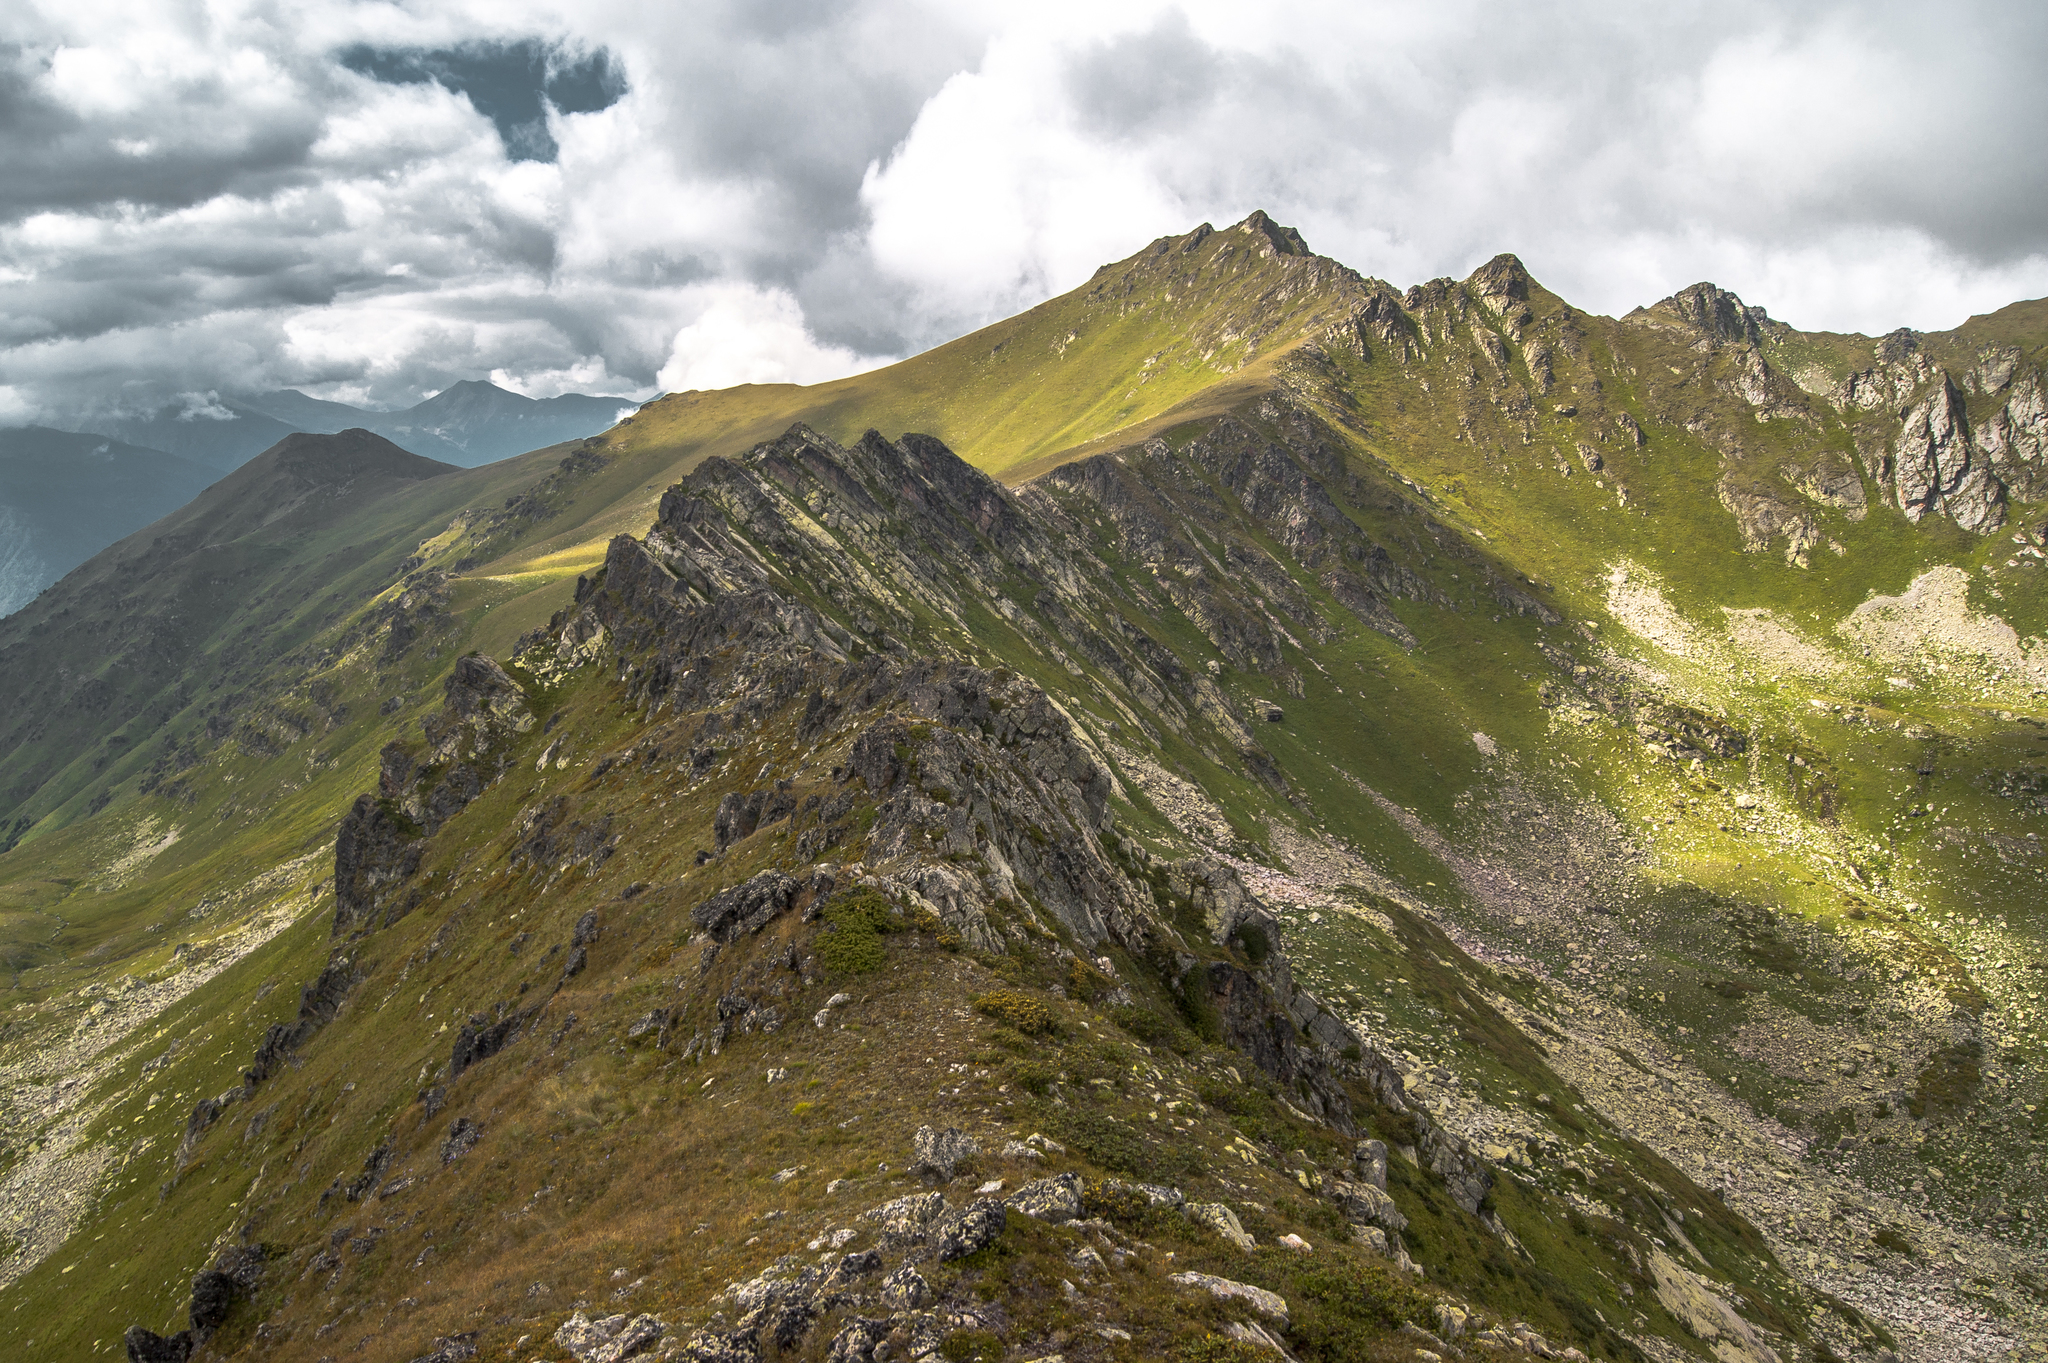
[(1011, 399)]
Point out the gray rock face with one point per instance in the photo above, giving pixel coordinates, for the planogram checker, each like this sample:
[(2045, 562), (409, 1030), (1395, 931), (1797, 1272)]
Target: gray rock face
[(1155, 1194), (1932, 466), (1829, 478), (377, 848), (1271, 1305), (1763, 520), (752, 905), (2015, 439), (214, 1294), (1223, 1221), (1369, 1158), (1056, 1200), (450, 1349), (1465, 1176), (721, 1347), (850, 1269), (481, 1038), (940, 1153), (857, 1340), (1363, 1202), (1713, 314)]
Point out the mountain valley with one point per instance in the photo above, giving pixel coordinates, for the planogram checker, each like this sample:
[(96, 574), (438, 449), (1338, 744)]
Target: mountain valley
[(1240, 813)]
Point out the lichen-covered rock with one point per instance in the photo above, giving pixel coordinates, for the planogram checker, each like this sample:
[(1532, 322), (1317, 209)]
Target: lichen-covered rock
[(1223, 1221), (856, 1340), (1154, 1194), (463, 1134), (609, 1339), (708, 1346), (973, 1228), (905, 1220), (1369, 1158), (1364, 1202), (940, 1152), (905, 1290), (850, 1269), (1271, 1305), (1056, 1199)]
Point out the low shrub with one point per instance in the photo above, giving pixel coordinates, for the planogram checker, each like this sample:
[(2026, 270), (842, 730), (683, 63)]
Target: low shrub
[(1085, 982), (971, 1346), (1252, 940), (1018, 1010), (1348, 1294), (1119, 1148), (1118, 1201), (851, 943), (846, 952), (1033, 1079)]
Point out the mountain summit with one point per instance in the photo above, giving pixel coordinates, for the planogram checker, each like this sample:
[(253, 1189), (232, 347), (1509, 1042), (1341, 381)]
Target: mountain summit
[(1242, 813)]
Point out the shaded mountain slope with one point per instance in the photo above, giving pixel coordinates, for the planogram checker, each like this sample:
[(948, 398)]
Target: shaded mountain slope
[(64, 497), (166, 618)]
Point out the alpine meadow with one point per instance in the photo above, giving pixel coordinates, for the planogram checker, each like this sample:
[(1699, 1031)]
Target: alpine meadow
[(1242, 813)]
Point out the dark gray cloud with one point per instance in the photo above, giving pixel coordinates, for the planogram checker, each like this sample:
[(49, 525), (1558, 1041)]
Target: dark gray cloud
[(513, 84), (188, 146), (372, 202)]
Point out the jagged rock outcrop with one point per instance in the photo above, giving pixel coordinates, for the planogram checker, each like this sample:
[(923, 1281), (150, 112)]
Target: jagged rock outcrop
[(377, 849), (988, 803), (1709, 313), (1969, 439), (1933, 469)]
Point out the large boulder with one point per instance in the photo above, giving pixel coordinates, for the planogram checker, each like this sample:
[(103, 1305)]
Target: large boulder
[(1271, 1305)]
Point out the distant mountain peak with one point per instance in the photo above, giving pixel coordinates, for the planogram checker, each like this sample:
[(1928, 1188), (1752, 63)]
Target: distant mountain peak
[(1503, 277), (341, 458), (1710, 312)]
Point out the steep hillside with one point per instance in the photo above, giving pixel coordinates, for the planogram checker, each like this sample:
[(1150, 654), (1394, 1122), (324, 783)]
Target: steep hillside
[(1543, 809)]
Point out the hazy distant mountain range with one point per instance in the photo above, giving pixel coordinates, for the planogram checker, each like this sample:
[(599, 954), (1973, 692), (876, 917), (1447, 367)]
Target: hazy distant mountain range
[(67, 494), (468, 424)]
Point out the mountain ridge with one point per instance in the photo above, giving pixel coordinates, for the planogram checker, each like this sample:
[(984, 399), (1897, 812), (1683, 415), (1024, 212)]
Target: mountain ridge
[(1652, 807)]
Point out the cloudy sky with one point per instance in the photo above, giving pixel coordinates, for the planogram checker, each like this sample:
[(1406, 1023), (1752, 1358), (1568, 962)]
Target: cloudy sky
[(371, 200)]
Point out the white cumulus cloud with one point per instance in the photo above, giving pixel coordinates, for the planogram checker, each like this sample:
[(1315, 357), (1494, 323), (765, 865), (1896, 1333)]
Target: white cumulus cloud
[(751, 335)]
